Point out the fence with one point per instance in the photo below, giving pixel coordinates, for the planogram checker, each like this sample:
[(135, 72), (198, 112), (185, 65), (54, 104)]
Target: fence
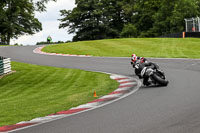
[(192, 24), (5, 65), (180, 35)]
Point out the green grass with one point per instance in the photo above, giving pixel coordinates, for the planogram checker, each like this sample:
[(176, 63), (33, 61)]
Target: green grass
[(36, 91), (147, 47)]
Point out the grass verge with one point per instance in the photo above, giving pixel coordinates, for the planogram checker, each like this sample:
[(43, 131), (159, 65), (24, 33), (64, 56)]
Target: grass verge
[(5, 45), (146, 47), (35, 91)]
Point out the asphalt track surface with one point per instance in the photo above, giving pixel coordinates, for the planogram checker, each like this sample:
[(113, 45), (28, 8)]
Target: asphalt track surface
[(171, 109)]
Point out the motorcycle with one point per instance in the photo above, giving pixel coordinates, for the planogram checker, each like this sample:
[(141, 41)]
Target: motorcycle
[(155, 75)]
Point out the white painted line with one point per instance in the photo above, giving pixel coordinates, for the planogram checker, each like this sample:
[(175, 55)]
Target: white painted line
[(45, 118), (42, 119), (117, 76), (130, 83), (111, 96), (88, 105), (123, 89), (124, 80)]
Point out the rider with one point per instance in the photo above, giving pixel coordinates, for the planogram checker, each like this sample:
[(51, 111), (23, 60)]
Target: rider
[(139, 63), (135, 58), (49, 39)]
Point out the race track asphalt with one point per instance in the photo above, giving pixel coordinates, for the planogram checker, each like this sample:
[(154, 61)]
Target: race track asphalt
[(171, 109)]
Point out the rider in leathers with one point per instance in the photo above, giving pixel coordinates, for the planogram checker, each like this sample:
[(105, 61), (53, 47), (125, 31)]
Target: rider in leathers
[(139, 63)]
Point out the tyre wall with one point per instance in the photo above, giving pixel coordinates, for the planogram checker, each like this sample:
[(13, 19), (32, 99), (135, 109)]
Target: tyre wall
[(5, 65)]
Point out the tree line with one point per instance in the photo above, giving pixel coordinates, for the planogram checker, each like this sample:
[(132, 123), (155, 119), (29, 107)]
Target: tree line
[(17, 18), (100, 19)]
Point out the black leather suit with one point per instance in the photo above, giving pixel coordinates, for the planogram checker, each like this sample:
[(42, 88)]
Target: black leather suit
[(140, 66)]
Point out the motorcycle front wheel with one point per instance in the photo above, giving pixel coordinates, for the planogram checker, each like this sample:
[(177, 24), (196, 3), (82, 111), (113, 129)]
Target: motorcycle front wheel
[(159, 80)]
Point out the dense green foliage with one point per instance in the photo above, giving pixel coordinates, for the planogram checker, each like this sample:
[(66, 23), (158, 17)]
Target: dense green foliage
[(159, 17), (17, 18), (35, 91), (97, 19), (145, 47), (94, 19)]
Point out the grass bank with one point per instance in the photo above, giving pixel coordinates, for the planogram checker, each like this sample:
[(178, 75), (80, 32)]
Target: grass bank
[(147, 47), (36, 91)]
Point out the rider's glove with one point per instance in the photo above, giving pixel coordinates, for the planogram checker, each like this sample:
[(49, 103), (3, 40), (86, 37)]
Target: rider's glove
[(133, 64)]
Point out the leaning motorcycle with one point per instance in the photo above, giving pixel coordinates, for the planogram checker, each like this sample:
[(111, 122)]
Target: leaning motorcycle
[(156, 76)]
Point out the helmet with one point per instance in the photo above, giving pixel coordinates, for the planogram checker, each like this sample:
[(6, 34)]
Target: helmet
[(142, 60), (133, 57)]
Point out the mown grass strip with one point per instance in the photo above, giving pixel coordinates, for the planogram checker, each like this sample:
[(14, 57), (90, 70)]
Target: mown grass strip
[(35, 91), (147, 47)]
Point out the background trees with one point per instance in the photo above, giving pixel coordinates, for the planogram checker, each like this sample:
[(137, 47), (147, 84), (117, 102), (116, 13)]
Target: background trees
[(94, 19), (97, 19), (17, 18), (100, 19), (170, 16)]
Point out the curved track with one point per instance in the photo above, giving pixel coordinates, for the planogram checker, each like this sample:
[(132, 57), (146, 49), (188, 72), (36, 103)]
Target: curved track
[(170, 109)]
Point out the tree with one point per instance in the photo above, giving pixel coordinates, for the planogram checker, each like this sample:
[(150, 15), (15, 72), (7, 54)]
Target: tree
[(158, 17), (83, 20), (98, 19), (170, 17), (93, 19), (144, 10), (129, 30), (17, 18)]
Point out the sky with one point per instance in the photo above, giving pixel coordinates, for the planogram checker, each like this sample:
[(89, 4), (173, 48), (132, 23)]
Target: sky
[(50, 24)]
